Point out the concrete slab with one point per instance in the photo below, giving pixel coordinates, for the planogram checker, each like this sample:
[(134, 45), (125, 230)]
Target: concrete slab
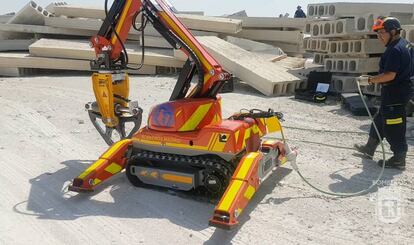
[(95, 24), (80, 49), (352, 65), (268, 78), (291, 49), (344, 84), (10, 72), (335, 28), (5, 18), (356, 47), (271, 22), (320, 45), (293, 37), (16, 45), (212, 24), (51, 7), (254, 46), (76, 11), (45, 30), (194, 22), (25, 60), (32, 14), (342, 9), (88, 24)]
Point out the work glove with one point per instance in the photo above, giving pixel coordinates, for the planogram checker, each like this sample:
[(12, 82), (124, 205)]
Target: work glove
[(363, 80)]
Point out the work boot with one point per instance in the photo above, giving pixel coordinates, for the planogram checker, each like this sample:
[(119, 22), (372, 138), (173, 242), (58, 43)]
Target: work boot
[(368, 149), (397, 161)]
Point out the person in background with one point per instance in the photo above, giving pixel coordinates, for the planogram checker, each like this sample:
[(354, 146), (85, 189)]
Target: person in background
[(299, 13), (395, 75)]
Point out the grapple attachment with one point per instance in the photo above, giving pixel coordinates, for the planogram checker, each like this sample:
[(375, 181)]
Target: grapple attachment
[(113, 107), (130, 115)]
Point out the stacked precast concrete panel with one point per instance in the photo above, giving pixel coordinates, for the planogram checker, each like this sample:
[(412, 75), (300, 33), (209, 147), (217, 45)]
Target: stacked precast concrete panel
[(342, 41), (285, 33)]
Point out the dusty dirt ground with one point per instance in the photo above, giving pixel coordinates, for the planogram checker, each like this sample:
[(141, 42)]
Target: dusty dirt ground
[(46, 139)]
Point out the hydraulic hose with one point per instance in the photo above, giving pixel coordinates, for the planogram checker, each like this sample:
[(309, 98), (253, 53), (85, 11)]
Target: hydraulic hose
[(359, 193)]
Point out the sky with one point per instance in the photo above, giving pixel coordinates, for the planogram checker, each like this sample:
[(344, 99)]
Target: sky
[(270, 8)]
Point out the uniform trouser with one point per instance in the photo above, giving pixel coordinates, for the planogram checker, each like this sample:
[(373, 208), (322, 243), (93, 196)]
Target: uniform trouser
[(391, 121)]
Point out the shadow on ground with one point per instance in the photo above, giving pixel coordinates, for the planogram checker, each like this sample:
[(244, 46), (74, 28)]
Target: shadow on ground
[(363, 180), (47, 201)]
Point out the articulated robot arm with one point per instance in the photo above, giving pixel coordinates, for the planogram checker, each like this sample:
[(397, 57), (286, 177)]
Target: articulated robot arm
[(111, 86)]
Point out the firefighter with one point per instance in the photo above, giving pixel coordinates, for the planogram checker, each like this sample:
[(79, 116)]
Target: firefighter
[(395, 72)]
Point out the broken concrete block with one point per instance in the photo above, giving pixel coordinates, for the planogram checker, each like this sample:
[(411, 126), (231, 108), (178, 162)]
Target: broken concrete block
[(352, 65)]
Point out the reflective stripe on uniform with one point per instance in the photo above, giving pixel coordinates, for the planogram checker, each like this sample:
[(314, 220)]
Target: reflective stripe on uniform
[(394, 121)]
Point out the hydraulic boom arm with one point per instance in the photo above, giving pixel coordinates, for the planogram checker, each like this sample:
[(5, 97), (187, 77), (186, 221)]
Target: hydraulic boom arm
[(111, 53), (111, 85)]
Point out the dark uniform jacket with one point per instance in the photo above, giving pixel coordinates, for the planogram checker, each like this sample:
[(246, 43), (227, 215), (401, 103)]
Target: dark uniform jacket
[(397, 58)]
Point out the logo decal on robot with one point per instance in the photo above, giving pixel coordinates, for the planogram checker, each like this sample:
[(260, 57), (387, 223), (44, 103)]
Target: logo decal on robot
[(164, 116)]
